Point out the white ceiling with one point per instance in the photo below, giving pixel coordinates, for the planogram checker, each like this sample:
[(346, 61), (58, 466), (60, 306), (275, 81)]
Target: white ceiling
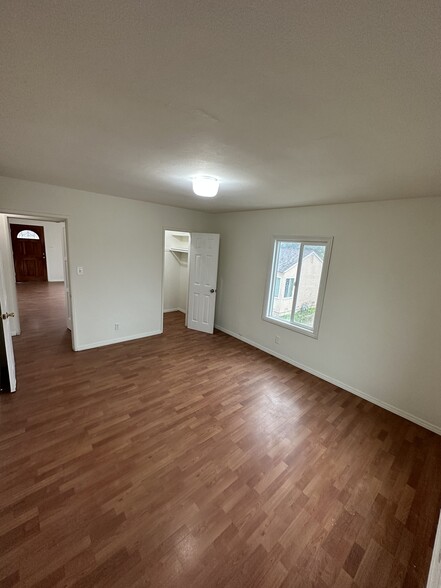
[(288, 102)]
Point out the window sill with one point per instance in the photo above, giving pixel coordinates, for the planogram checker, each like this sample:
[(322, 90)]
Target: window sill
[(291, 327)]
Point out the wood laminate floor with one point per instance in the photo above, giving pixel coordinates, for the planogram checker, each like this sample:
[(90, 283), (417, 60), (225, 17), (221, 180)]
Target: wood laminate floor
[(195, 460)]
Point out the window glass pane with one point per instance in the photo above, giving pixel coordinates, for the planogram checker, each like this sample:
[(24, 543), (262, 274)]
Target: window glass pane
[(285, 272), (309, 285), (26, 234), (277, 288)]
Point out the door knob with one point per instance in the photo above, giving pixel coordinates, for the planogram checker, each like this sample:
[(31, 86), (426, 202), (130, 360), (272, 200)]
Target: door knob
[(212, 290), (7, 315)]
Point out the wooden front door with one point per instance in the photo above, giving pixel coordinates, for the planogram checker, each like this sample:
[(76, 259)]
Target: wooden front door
[(29, 253)]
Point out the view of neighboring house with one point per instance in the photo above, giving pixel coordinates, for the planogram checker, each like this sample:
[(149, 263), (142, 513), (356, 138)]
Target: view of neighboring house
[(312, 264)]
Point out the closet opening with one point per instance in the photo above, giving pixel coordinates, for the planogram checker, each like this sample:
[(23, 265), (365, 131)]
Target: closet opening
[(176, 268)]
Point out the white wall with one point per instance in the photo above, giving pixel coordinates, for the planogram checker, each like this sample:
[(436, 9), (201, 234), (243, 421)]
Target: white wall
[(183, 288), (119, 242), (53, 238), (380, 333), (171, 282)]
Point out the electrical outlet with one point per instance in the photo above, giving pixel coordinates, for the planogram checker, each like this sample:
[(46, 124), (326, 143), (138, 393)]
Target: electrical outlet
[(277, 339), (116, 326)]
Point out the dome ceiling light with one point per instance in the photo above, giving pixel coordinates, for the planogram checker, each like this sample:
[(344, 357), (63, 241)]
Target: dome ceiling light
[(205, 186)]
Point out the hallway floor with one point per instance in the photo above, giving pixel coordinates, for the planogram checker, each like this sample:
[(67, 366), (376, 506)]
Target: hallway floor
[(42, 309), (193, 460)]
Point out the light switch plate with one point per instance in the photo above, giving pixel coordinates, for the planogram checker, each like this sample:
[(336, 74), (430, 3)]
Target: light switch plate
[(80, 270)]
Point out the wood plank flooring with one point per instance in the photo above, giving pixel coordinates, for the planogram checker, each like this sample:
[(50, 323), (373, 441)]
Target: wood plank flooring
[(191, 460)]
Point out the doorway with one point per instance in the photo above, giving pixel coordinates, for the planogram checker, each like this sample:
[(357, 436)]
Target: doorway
[(34, 289), (39, 253), (175, 285), (190, 277)]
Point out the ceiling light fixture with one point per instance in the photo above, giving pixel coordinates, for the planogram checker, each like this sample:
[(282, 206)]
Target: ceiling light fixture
[(205, 186)]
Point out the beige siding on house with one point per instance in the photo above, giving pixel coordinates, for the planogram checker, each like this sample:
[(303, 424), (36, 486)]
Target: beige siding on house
[(309, 281)]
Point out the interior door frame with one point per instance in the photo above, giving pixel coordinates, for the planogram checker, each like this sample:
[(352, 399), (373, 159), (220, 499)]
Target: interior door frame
[(41, 216)]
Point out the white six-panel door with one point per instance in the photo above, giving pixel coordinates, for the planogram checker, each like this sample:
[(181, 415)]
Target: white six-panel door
[(203, 261)]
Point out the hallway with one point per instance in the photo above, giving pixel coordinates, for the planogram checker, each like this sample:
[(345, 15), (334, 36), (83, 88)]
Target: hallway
[(42, 310), (45, 340)]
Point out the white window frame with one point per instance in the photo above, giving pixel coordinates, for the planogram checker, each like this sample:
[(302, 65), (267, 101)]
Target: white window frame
[(272, 274)]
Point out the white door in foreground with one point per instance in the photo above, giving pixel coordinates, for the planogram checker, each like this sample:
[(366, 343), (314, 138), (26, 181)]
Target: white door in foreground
[(5, 332), (203, 260)]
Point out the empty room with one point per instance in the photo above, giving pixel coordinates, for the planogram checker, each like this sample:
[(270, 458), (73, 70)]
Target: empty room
[(220, 284)]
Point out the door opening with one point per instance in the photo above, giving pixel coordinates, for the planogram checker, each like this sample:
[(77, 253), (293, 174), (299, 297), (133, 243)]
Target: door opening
[(175, 281), (34, 288), (190, 277), (39, 253)]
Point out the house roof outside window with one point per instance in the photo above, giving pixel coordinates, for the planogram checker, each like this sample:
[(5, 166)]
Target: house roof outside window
[(289, 254)]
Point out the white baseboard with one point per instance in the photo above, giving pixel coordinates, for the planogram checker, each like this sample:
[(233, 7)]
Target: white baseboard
[(331, 380), (174, 310), (434, 580), (114, 341)]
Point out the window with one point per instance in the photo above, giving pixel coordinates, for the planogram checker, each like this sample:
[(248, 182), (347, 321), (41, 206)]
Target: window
[(26, 234), (289, 287), (301, 264)]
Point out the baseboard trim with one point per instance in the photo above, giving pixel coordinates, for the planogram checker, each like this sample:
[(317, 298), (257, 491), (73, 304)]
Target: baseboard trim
[(174, 310), (391, 408), (115, 341)]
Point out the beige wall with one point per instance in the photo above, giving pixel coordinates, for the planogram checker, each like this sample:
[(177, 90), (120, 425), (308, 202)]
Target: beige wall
[(380, 333)]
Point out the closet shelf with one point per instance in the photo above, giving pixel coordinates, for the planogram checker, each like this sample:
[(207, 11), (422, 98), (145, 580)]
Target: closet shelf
[(181, 236), (180, 254)]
